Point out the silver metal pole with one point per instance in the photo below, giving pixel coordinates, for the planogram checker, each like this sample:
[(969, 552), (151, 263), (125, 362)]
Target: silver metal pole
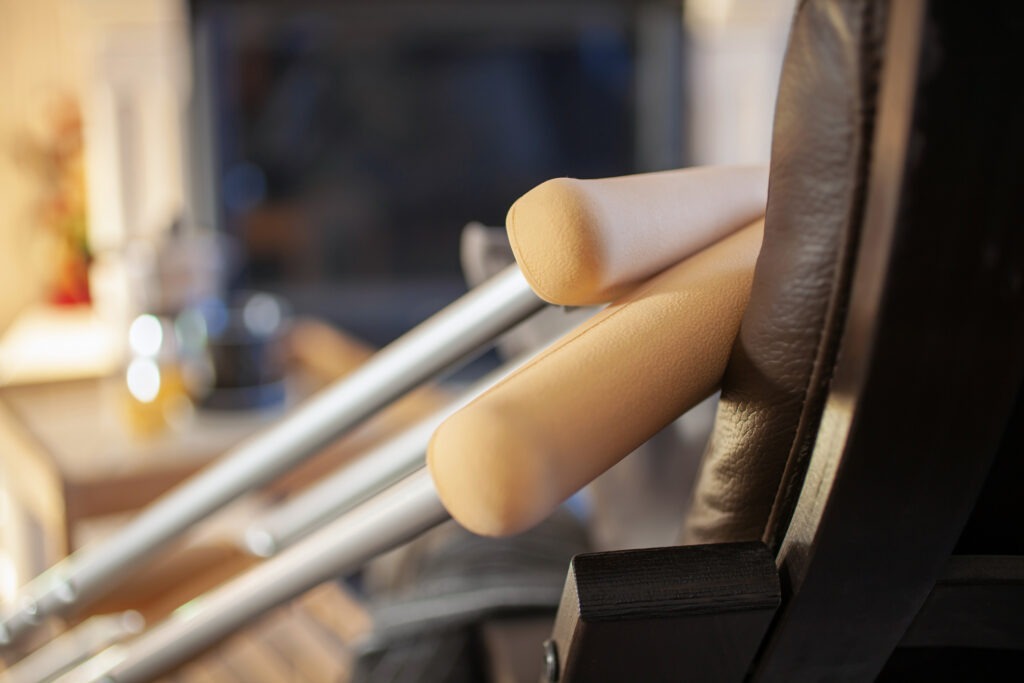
[(341, 491), (449, 336), (74, 646), (389, 519), (351, 484)]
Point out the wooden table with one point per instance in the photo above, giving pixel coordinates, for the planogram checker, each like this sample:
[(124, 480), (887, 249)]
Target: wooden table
[(68, 458)]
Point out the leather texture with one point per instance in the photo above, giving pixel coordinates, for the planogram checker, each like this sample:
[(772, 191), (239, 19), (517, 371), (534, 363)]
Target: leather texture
[(585, 242), (777, 378), (506, 460)]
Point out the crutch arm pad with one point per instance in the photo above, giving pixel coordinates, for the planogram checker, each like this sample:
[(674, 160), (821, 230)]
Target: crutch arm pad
[(503, 462), (584, 242)]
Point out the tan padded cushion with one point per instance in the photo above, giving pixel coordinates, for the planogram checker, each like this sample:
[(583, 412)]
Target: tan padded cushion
[(584, 242), (506, 460)]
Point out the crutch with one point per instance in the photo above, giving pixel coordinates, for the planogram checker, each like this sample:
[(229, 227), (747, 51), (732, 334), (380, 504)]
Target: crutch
[(375, 470), (74, 646), (399, 456), (445, 339), (412, 506)]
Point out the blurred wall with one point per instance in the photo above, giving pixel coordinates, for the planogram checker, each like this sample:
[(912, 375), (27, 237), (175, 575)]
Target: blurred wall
[(36, 69), (123, 63), (734, 57)]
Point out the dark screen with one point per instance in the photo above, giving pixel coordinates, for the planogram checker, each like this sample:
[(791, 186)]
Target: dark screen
[(354, 142)]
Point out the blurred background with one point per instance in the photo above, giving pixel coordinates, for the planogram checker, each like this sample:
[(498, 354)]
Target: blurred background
[(343, 146), (187, 184)]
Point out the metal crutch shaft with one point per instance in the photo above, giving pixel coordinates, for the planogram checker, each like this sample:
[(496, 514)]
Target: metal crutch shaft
[(373, 471), (74, 646), (389, 519), (446, 338)]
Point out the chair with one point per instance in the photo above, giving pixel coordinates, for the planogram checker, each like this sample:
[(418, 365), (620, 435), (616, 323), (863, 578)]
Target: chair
[(870, 426)]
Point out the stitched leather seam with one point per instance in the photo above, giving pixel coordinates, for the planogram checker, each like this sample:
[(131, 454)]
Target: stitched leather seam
[(827, 345)]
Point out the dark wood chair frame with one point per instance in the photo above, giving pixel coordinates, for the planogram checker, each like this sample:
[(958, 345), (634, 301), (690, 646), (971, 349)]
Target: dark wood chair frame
[(926, 392)]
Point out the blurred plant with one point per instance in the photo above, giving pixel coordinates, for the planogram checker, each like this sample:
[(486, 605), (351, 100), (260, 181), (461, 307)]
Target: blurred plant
[(57, 161)]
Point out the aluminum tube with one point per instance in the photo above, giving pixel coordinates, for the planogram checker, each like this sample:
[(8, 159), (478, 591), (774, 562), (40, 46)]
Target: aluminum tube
[(74, 646), (351, 484), (341, 491), (446, 338), (380, 524)]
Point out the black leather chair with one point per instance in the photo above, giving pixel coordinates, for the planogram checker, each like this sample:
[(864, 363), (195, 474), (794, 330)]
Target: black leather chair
[(858, 508)]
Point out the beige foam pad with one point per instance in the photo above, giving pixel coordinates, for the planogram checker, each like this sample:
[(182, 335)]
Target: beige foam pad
[(506, 460), (584, 242)]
